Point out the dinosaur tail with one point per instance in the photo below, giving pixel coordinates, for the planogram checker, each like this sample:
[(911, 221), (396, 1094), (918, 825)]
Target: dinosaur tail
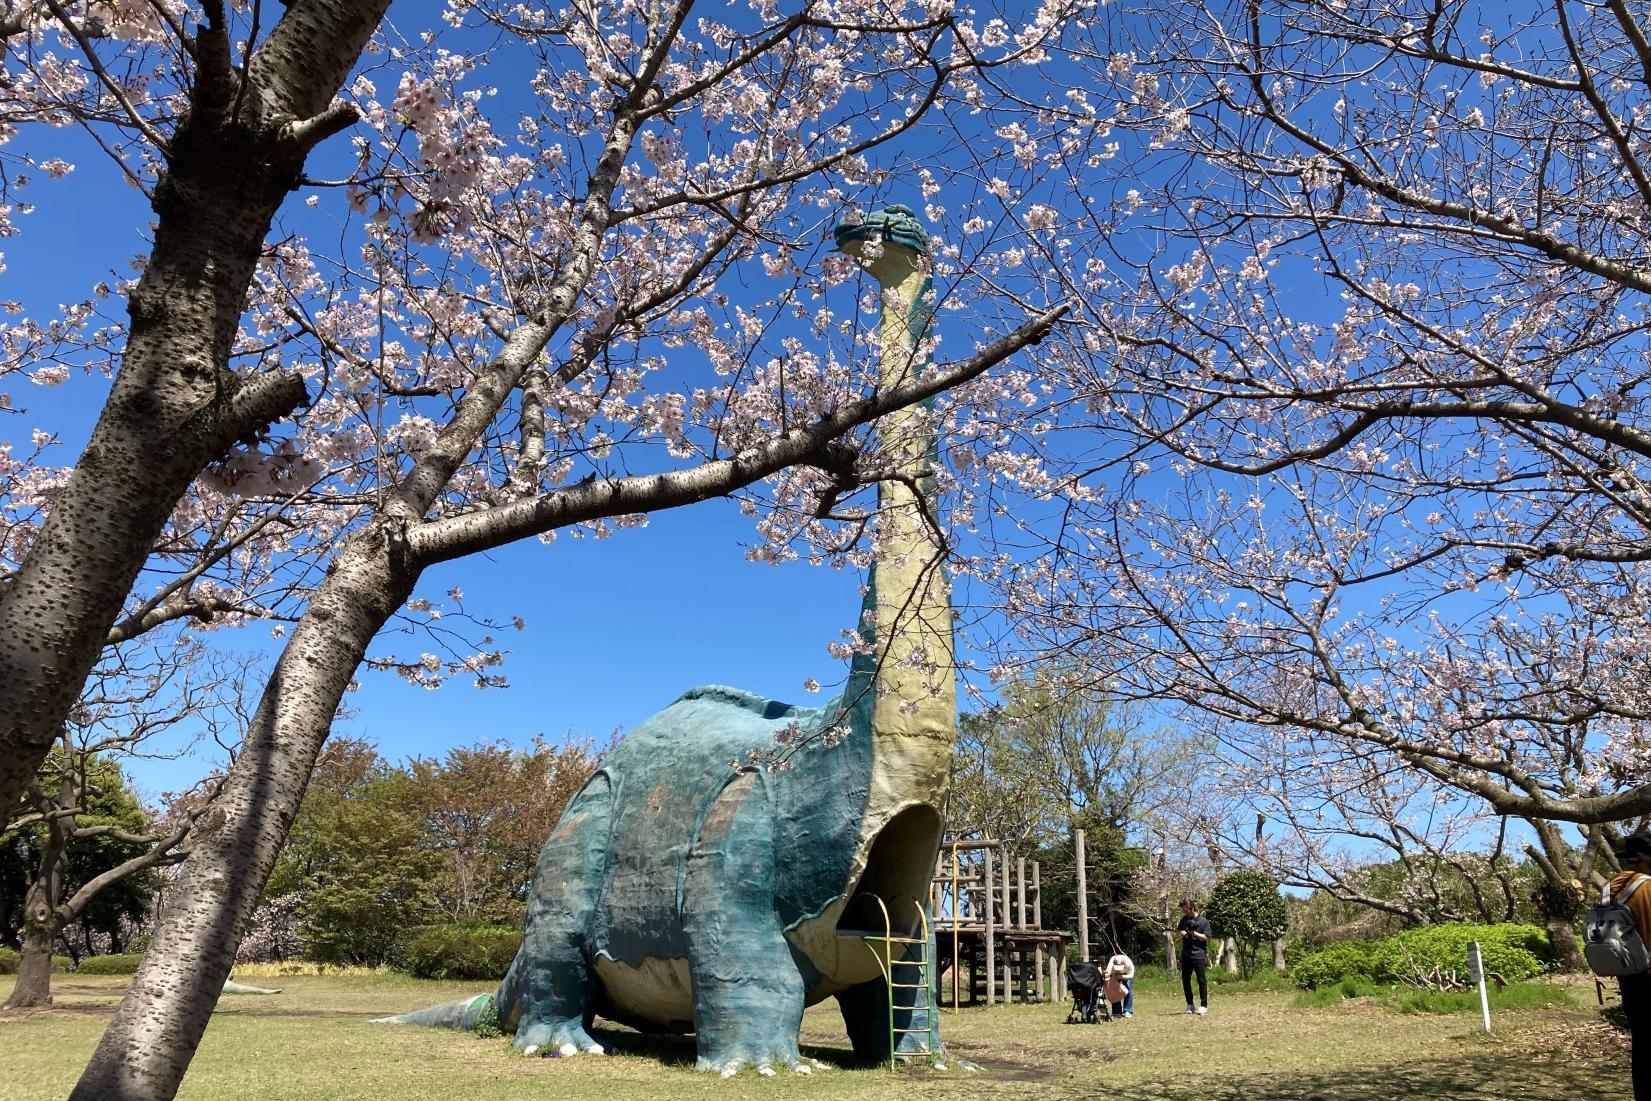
[(465, 1014), (462, 1013)]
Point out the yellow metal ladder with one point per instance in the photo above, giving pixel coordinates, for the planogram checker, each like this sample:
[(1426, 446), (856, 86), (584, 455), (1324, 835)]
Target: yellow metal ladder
[(924, 998)]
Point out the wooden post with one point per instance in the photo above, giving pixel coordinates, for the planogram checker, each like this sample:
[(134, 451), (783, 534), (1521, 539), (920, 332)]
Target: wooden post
[(1020, 888), (1079, 860), (957, 919), (1172, 959), (1037, 923), (1054, 979), (991, 948), (1037, 895)]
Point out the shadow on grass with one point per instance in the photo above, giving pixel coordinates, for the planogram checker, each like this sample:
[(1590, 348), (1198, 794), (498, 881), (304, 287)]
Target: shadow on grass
[(1468, 1078), (680, 1052)]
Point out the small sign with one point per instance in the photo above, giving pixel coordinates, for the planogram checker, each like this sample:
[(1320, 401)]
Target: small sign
[(1476, 974)]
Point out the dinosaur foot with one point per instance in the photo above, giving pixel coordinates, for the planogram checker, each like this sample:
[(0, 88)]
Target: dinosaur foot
[(555, 1040), (764, 1067)]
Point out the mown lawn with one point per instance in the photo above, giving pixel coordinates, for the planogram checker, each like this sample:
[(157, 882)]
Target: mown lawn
[(316, 1042)]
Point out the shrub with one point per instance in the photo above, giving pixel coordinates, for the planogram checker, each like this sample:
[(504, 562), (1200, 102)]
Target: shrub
[(458, 951), (1248, 907), (123, 963), (1350, 960), (1516, 952), (1526, 995), (139, 944), (9, 957)]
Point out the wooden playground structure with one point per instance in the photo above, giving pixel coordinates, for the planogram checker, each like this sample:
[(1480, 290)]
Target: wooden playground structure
[(988, 924)]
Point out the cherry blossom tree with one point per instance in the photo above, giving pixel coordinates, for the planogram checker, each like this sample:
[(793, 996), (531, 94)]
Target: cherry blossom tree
[(216, 134), (574, 269), (1340, 816), (1347, 446)]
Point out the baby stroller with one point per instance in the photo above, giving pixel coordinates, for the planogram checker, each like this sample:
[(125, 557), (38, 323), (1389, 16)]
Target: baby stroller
[(1085, 981)]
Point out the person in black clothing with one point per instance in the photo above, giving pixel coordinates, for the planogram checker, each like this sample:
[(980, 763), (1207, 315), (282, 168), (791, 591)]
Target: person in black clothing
[(1195, 954), (1635, 857)]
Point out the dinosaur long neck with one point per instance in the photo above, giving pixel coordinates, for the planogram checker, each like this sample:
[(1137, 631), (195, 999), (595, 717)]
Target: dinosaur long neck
[(910, 673)]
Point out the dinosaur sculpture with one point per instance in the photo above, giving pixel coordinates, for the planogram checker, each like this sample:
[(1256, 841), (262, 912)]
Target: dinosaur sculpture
[(679, 893)]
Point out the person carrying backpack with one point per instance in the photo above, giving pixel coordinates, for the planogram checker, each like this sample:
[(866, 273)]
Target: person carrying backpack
[(1631, 887)]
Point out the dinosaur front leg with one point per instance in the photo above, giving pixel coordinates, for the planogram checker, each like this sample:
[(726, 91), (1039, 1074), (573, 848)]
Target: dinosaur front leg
[(748, 993), (547, 996)]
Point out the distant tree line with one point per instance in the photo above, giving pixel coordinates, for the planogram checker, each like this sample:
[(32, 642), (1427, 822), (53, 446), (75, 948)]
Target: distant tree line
[(379, 848)]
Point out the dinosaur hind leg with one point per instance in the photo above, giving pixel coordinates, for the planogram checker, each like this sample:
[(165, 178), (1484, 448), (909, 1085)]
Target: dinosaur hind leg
[(547, 996)]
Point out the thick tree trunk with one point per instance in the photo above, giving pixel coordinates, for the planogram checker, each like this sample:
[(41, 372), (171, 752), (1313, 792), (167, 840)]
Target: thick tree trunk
[(148, 1045), (1229, 956), (1279, 963), (1561, 897), (34, 969), (1567, 949), (174, 406)]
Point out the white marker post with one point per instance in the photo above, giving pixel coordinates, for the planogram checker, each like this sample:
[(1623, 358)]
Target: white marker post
[(1476, 972)]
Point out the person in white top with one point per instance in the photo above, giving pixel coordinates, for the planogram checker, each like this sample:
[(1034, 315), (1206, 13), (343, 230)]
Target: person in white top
[(1120, 983)]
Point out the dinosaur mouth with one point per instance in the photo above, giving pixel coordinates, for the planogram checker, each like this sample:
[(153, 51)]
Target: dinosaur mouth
[(901, 863)]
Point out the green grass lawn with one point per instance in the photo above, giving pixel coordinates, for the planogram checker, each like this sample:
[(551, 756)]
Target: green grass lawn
[(316, 1042)]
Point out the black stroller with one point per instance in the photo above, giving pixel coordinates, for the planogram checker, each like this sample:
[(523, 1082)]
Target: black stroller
[(1085, 982)]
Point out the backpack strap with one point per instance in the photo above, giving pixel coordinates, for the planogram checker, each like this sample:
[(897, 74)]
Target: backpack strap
[(1634, 884)]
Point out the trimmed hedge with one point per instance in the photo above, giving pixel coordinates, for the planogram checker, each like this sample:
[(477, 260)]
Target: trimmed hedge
[(479, 952), (123, 963), (1516, 952), (8, 962)]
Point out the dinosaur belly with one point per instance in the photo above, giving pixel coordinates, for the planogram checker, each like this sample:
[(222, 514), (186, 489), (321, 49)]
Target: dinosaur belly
[(655, 996)]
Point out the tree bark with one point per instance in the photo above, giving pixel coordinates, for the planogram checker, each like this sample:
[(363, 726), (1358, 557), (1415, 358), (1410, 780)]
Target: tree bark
[(1561, 897), (41, 920), (34, 969), (175, 405), (149, 1044), (1567, 949), (1279, 963)]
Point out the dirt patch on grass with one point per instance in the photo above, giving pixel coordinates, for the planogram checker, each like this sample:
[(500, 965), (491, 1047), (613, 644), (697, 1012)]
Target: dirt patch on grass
[(1009, 1071)]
